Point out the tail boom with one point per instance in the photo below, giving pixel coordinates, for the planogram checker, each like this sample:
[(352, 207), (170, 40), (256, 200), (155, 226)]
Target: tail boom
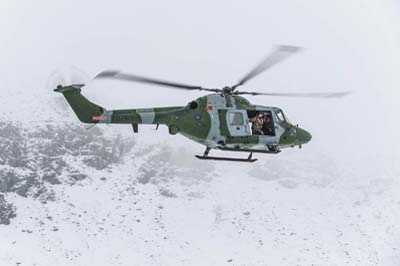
[(88, 112), (85, 110)]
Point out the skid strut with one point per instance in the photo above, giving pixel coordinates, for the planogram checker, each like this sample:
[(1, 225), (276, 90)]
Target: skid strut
[(205, 156)]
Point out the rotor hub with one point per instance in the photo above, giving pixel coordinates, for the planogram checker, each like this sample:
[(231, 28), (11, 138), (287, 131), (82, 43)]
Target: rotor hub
[(227, 90)]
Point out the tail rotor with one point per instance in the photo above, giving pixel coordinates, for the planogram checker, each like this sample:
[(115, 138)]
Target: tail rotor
[(67, 76)]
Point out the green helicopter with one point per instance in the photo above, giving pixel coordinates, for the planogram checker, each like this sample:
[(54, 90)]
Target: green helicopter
[(222, 120)]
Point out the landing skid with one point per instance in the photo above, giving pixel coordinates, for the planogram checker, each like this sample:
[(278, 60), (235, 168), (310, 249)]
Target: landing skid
[(247, 160), (230, 159)]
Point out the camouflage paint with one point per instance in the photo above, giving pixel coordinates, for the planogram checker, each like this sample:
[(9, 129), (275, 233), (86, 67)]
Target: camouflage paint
[(203, 120)]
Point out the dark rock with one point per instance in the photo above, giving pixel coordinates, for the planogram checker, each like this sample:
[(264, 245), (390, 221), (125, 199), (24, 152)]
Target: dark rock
[(7, 211), (78, 176), (167, 193)]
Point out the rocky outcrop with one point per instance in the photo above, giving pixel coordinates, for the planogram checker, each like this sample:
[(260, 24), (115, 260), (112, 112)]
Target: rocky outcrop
[(7, 211), (33, 160)]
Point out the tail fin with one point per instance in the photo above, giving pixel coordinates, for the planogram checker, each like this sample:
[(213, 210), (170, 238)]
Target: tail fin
[(85, 110)]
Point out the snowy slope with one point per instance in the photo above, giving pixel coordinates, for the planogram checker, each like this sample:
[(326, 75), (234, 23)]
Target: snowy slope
[(154, 204)]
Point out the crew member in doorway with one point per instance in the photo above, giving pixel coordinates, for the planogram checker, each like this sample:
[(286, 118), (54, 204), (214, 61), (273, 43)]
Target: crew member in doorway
[(257, 124), (268, 126)]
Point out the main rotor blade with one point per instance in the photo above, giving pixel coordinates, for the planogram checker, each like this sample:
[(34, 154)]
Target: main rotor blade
[(129, 77), (297, 95), (279, 54)]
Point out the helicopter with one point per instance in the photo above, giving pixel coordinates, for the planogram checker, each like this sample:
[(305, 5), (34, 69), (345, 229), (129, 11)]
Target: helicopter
[(221, 120)]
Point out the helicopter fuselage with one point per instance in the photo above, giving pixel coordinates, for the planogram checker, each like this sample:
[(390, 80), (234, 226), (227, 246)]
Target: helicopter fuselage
[(216, 122)]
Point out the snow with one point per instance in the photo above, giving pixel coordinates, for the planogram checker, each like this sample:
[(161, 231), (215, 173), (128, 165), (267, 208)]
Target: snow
[(279, 211)]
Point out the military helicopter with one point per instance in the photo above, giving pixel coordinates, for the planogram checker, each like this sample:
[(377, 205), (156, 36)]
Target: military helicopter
[(222, 120)]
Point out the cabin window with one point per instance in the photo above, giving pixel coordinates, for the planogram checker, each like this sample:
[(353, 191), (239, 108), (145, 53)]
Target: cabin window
[(193, 105), (236, 119), (262, 123)]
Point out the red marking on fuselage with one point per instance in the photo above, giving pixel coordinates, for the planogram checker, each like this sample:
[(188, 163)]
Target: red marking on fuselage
[(99, 118)]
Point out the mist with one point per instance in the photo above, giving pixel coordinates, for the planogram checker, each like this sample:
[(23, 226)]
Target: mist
[(348, 45)]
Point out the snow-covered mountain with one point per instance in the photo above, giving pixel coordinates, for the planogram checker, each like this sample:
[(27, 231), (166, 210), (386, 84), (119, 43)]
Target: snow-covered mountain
[(103, 196)]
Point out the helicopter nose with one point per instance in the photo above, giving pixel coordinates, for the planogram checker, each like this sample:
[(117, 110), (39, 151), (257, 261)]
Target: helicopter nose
[(303, 135)]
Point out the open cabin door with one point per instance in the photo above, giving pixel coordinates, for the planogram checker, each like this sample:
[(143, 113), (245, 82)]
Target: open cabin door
[(235, 123)]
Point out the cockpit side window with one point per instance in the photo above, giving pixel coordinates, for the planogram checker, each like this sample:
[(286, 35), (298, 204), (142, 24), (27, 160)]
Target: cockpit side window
[(280, 117)]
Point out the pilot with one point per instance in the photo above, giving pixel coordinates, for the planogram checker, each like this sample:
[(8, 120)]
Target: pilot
[(268, 125), (257, 125)]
